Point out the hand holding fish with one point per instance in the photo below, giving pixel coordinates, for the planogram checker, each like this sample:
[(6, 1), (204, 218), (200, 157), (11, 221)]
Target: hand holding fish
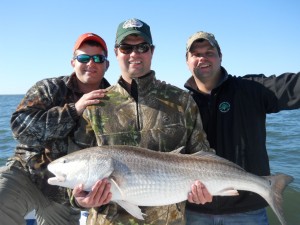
[(199, 194), (101, 195), (98, 196)]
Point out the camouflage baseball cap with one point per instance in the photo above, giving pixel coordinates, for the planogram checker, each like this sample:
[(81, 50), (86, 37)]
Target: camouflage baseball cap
[(133, 26), (202, 35)]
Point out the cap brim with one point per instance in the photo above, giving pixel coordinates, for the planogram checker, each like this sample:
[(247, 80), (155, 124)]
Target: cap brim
[(125, 34), (192, 41)]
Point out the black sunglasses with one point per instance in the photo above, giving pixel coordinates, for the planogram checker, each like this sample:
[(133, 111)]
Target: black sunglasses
[(128, 49), (84, 58)]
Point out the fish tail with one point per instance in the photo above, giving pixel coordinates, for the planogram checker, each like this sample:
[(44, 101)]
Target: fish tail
[(278, 183)]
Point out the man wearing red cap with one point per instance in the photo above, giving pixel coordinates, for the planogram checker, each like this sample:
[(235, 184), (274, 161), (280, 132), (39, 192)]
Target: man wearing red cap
[(43, 124)]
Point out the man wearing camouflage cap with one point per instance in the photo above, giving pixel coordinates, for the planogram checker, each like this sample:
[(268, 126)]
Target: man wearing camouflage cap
[(140, 111), (233, 110)]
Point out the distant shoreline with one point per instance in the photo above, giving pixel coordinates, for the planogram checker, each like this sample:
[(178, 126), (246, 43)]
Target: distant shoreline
[(11, 94)]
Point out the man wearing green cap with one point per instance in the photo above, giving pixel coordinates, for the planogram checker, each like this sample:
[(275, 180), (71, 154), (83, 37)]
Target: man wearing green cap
[(233, 111), (140, 111)]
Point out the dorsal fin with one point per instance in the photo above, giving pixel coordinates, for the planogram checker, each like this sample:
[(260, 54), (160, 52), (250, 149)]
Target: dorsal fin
[(215, 158), (178, 150)]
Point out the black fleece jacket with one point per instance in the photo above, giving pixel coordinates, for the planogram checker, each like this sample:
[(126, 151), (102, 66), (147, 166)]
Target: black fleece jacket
[(234, 118)]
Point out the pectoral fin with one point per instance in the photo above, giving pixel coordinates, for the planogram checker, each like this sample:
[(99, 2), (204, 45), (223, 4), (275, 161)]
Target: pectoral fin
[(116, 190), (178, 150), (227, 192), (132, 209)]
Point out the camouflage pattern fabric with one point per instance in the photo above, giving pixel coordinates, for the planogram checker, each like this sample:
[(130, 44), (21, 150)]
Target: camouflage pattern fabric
[(42, 123), (115, 215)]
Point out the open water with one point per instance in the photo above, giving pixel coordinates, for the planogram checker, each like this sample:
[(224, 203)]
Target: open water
[(283, 143)]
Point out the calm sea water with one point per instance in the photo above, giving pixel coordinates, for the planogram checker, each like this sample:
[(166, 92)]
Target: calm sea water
[(283, 143)]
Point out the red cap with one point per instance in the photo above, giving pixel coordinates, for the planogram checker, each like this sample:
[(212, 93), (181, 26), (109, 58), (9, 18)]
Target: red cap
[(90, 36)]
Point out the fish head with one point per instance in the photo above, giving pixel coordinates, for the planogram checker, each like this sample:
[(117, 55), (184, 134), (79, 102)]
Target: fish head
[(80, 168), (68, 171)]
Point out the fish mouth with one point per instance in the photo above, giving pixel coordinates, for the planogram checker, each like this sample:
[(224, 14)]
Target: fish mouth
[(57, 179)]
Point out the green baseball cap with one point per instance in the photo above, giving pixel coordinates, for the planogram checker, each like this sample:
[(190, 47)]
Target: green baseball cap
[(133, 26), (202, 35)]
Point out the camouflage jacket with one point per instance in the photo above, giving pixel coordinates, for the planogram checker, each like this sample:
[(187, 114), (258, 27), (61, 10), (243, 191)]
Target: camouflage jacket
[(161, 117), (42, 123)]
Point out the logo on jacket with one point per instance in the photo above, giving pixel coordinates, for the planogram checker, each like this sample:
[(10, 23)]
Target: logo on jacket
[(224, 107)]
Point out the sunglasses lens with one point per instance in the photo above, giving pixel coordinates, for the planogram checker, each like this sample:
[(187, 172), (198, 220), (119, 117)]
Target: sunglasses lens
[(83, 58), (128, 49), (99, 58), (142, 48)]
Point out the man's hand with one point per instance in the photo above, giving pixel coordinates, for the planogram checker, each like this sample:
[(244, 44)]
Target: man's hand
[(98, 196), (199, 194), (87, 99)]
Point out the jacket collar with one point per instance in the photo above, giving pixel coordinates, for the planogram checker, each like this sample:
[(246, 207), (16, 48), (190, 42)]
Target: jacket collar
[(141, 85), (192, 86), (72, 83)]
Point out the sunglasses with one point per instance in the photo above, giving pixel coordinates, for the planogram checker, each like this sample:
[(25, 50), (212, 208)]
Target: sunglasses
[(128, 49), (84, 58)]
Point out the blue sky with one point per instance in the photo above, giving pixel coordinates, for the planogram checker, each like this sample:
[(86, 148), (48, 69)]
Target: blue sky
[(37, 37)]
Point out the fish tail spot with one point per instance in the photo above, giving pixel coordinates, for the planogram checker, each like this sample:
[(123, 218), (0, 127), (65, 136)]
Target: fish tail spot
[(278, 183)]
